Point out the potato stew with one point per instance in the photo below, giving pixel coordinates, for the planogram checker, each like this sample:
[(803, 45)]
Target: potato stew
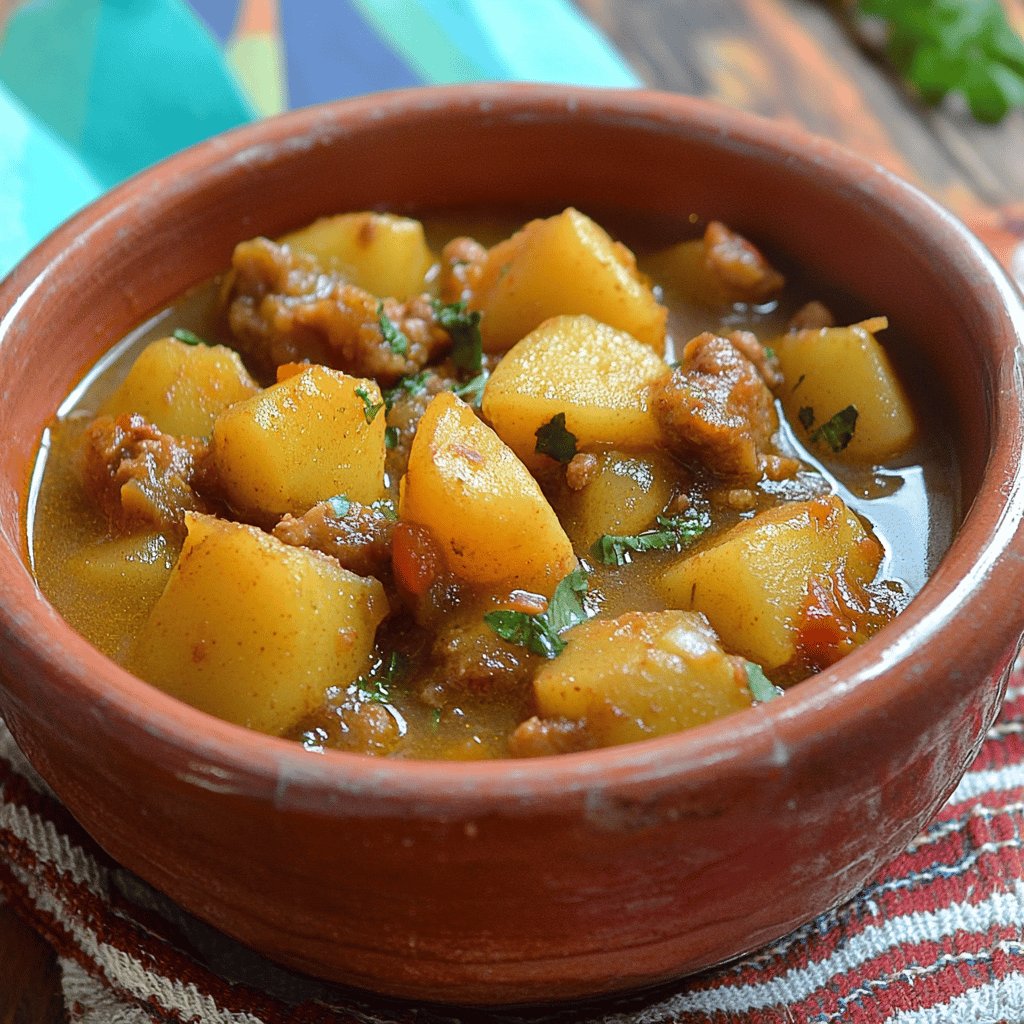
[(479, 491)]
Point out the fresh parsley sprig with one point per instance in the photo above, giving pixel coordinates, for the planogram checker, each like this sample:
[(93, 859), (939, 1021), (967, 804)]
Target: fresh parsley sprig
[(393, 337), (672, 532), (540, 633), (472, 391), (554, 440), (370, 407), (463, 328)]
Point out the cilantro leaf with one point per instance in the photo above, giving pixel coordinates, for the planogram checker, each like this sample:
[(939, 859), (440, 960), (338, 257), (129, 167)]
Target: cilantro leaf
[(944, 46), (473, 390), (188, 337), (370, 407), (540, 633), (554, 440), (376, 687), (414, 384), (761, 688), (391, 437), (464, 329), (394, 338), (385, 507), (673, 532), (838, 431)]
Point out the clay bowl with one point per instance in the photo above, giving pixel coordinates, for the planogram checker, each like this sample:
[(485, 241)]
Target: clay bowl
[(504, 882)]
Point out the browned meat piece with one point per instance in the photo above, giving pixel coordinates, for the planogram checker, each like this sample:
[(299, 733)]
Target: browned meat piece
[(743, 272), (470, 657), (715, 409), (462, 263), (140, 476), (540, 737), (581, 470), (284, 308), (405, 408), (811, 317), (357, 725), (360, 538), (767, 365)]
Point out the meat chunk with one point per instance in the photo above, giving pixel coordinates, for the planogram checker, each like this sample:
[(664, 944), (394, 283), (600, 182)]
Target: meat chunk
[(358, 536), (284, 308), (542, 737), (716, 409), (741, 269), (462, 263), (469, 657), (581, 470), (812, 316), (140, 476), (766, 363)]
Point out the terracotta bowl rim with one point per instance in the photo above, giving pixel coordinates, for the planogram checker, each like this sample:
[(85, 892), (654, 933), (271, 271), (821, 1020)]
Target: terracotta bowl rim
[(988, 544)]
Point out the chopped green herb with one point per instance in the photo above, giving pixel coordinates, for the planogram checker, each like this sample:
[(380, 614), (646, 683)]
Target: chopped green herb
[(386, 508), (188, 337), (838, 431), (769, 352), (805, 415), (675, 364), (370, 407), (964, 46), (414, 384), (435, 718), (555, 441), (339, 505), (464, 329), (673, 532), (761, 688), (473, 390), (540, 633), (376, 687), (395, 339), (391, 436)]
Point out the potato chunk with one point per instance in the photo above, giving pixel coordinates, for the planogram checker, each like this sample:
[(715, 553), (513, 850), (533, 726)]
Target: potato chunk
[(301, 441), (831, 369), (481, 503), (596, 375), (640, 675), (752, 582), (181, 388), (565, 264), (253, 631), (626, 494), (380, 252)]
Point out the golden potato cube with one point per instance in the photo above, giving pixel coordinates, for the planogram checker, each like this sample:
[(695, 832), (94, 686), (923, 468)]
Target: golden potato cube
[(254, 631), (625, 495), (565, 264), (597, 375), (643, 674), (182, 388), (301, 441), (752, 581), (830, 369), (683, 273), (385, 254), (480, 502)]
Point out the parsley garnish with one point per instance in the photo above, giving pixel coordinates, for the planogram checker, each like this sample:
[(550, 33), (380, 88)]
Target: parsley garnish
[(769, 352), (673, 532), (385, 507), (435, 718), (554, 440), (805, 415), (339, 506), (395, 339), (391, 436), (414, 384), (838, 431), (188, 337), (473, 390), (377, 688), (370, 407), (964, 46), (540, 633), (464, 329), (761, 688)]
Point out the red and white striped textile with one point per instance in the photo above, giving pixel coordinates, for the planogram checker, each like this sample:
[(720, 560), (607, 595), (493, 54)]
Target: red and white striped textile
[(936, 938)]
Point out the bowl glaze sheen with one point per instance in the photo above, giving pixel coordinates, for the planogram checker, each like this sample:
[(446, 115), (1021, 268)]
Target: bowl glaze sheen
[(513, 881)]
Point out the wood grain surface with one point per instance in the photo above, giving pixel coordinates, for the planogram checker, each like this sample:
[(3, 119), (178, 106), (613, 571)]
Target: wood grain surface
[(794, 60)]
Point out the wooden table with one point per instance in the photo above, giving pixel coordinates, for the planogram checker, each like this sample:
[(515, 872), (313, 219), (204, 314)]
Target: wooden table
[(793, 60)]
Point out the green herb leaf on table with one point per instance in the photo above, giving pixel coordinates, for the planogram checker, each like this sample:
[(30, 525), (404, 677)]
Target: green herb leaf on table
[(673, 532), (540, 633), (555, 441), (393, 337), (762, 689), (464, 329), (964, 46), (472, 392), (837, 432), (188, 337), (370, 407)]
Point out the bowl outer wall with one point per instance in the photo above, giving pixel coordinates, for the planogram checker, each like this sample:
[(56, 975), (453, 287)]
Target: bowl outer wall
[(513, 881)]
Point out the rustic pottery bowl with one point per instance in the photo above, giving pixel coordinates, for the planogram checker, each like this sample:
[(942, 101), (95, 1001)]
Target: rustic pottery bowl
[(514, 881)]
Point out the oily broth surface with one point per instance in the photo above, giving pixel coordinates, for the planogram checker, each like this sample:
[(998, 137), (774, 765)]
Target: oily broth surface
[(912, 504)]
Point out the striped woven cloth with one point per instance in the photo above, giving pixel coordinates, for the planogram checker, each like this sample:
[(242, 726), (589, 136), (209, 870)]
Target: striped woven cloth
[(936, 938)]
